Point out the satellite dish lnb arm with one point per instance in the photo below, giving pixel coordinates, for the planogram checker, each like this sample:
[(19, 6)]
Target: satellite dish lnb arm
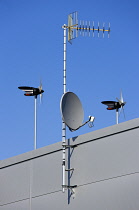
[(91, 120), (78, 127)]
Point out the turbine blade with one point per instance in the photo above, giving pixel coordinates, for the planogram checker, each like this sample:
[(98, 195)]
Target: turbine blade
[(40, 98), (121, 100), (124, 113), (121, 97), (118, 100), (120, 111), (40, 87)]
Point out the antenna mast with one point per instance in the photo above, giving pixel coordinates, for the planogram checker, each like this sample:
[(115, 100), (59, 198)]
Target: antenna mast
[(117, 115), (63, 124), (35, 122), (74, 29)]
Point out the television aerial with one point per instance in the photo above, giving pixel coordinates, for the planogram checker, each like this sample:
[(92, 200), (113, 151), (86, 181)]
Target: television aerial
[(31, 91), (72, 112), (75, 28), (119, 104)]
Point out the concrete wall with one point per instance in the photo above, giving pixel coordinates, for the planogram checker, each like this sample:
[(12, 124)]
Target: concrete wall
[(106, 172)]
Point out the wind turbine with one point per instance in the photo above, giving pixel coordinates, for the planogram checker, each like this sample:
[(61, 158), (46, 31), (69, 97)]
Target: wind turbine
[(31, 91), (119, 104)]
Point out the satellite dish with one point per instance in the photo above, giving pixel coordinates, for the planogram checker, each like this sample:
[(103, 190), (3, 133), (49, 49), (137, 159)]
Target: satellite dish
[(71, 110)]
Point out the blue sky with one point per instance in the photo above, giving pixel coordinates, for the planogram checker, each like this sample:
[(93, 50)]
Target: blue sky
[(31, 48)]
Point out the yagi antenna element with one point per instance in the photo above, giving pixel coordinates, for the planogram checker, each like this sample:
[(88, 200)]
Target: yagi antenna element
[(84, 28), (72, 24)]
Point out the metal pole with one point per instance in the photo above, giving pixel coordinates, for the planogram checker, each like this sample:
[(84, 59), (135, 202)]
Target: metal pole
[(63, 124), (64, 70), (117, 116), (35, 123)]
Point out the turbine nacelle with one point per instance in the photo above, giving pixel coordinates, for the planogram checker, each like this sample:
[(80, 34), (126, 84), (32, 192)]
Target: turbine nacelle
[(113, 105), (31, 91), (119, 104)]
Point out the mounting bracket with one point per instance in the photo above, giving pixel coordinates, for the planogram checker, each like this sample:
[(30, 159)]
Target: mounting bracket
[(71, 188)]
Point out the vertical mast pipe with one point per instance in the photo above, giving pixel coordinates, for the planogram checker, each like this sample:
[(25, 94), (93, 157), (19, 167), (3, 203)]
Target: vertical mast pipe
[(117, 116), (64, 70), (63, 124), (35, 123)]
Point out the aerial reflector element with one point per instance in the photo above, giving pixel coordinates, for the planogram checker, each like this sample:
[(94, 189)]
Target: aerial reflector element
[(72, 24)]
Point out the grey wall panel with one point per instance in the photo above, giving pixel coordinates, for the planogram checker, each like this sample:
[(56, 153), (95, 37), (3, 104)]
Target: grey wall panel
[(114, 194), (47, 174), (20, 205), (106, 172), (30, 155), (112, 130), (53, 201), (108, 157), (14, 183)]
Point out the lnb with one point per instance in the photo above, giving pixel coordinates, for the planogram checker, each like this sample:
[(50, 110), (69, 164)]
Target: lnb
[(91, 119)]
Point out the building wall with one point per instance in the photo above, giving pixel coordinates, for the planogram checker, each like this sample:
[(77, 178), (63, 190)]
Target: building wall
[(106, 172)]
